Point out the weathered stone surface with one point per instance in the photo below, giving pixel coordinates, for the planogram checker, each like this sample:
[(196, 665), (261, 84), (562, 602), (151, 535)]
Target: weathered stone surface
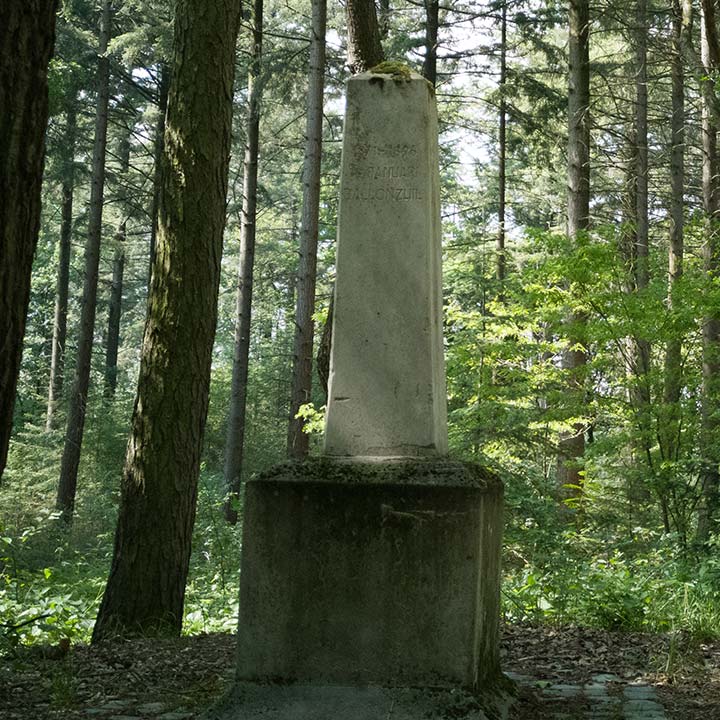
[(252, 701), (392, 581), (387, 379)]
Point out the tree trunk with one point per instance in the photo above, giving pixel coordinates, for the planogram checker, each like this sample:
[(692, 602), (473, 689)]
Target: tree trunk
[(78, 398), (322, 359), (673, 352), (146, 587), (639, 347), (709, 455), (27, 33), (159, 144), (571, 445), (57, 361), (116, 288), (297, 441), (500, 258), (364, 46), (243, 309), (432, 22)]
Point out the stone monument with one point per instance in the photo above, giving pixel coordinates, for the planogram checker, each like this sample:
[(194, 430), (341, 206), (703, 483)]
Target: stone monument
[(370, 576)]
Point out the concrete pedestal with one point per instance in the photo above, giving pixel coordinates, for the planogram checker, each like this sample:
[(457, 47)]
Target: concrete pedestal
[(382, 574)]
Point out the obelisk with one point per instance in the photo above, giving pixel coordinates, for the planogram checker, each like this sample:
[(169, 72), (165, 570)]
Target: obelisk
[(387, 375)]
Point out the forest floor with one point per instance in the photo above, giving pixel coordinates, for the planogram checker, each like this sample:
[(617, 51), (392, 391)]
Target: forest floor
[(177, 679)]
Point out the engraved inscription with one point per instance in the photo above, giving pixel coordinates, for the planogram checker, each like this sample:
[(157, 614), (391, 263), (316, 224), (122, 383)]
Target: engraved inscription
[(362, 151), (381, 193), (382, 172)]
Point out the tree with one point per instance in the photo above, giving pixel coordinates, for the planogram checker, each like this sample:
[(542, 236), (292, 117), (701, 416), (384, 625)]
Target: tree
[(673, 352), (243, 312), (364, 46), (297, 442), (27, 33), (146, 587), (572, 443), (57, 362), (500, 255), (158, 144), (710, 455), (116, 286), (67, 484)]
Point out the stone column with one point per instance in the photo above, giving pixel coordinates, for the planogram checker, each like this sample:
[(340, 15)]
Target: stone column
[(387, 377)]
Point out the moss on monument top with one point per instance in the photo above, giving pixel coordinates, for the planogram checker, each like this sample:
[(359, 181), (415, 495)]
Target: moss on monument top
[(398, 70)]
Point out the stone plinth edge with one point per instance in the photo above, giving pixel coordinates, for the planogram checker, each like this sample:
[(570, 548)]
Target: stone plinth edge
[(386, 471), (255, 701)]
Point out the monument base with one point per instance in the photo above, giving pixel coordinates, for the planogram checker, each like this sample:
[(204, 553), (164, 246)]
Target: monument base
[(255, 701), (382, 572)]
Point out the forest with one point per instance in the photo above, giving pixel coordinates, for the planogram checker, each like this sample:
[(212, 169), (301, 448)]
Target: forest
[(166, 310)]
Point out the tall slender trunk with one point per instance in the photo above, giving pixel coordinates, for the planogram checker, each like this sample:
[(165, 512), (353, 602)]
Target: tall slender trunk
[(500, 257), (145, 592), (639, 347), (27, 33), (78, 399), (57, 360), (297, 440), (364, 46), (384, 18), (670, 430), (116, 287), (710, 457), (432, 22), (571, 445), (159, 144), (243, 308)]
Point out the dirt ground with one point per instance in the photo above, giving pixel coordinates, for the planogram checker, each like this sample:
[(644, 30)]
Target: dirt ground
[(177, 679)]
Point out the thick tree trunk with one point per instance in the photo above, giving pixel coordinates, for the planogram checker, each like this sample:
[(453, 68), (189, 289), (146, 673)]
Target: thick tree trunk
[(297, 440), (571, 445), (500, 257), (159, 144), (146, 588), (710, 457), (57, 360), (27, 33), (432, 22), (78, 398), (364, 46), (116, 287), (243, 308), (673, 351)]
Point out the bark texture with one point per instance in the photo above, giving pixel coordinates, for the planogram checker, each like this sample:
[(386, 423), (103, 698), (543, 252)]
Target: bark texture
[(57, 359), (709, 451), (116, 286), (364, 46), (500, 258), (159, 143), (572, 444), (432, 22), (670, 440), (146, 588), (78, 398), (27, 34), (235, 441), (297, 441)]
